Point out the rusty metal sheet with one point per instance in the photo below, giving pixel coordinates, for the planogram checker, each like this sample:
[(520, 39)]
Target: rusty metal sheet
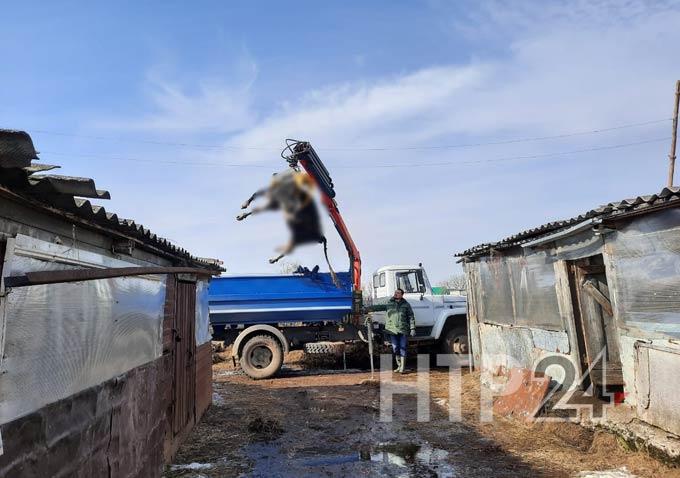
[(523, 394)]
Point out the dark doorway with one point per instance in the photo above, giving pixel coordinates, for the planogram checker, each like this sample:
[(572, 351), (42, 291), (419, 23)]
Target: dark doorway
[(595, 329), (3, 246)]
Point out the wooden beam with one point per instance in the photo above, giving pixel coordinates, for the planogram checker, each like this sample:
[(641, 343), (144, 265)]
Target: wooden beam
[(591, 289), (78, 275), (592, 269)]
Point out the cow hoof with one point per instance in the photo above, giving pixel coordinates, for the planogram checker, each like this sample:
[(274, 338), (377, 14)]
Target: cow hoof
[(241, 217)]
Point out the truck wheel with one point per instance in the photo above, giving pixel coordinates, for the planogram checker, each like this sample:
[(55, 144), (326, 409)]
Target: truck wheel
[(332, 348), (456, 341), (261, 357)]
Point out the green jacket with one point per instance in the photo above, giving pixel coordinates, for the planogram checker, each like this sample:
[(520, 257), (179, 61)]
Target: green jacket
[(400, 318)]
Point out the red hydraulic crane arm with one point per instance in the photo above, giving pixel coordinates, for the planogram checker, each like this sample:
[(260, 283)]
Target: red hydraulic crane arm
[(354, 255), (301, 152)]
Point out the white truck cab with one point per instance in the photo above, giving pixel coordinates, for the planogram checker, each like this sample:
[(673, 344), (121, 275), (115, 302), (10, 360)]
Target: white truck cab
[(440, 319)]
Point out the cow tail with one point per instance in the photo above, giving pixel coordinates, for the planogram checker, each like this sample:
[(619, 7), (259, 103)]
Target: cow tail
[(334, 276)]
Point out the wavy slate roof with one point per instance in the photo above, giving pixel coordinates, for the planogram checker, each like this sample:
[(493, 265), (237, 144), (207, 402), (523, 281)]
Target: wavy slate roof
[(21, 176), (668, 197)]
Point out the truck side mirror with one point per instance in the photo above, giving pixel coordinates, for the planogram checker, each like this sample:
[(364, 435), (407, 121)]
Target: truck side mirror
[(422, 289)]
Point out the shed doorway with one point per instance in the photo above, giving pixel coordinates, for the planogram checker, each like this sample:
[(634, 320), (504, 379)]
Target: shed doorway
[(594, 322)]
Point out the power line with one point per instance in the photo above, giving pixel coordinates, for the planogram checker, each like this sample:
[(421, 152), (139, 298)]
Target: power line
[(533, 156), (509, 141), (367, 148), (157, 143), (372, 166), (155, 161)]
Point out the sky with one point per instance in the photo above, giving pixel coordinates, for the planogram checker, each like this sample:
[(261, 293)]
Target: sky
[(444, 124)]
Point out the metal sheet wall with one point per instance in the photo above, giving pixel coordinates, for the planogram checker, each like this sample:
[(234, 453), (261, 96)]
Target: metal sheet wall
[(535, 293), (520, 290), (495, 296), (644, 270), (656, 385), (202, 313), (63, 338)]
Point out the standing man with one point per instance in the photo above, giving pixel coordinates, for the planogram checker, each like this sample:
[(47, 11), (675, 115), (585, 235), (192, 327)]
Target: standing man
[(400, 324)]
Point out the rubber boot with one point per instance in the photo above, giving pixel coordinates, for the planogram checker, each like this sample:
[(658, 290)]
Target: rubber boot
[(398, 359), (402, 364)]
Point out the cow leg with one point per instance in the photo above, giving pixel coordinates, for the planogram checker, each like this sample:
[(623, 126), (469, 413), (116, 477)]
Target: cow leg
[(256, 194), (276, 259), (255, 210), (285, 250)]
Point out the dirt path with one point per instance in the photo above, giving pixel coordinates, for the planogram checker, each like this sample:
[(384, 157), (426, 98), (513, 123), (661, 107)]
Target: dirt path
[(311, 424)]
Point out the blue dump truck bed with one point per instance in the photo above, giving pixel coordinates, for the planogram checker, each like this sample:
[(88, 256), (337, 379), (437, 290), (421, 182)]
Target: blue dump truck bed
[(305, 297)]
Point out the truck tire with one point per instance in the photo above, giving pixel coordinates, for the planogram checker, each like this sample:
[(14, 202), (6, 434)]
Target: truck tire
[(456, 341), (331, 348), (261, 357)]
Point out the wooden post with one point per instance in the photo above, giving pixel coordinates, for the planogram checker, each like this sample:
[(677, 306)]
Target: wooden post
[(674, 138)]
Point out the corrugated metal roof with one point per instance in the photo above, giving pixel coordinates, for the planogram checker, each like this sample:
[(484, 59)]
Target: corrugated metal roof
[(668, 197), (16, 149), (66, 193)]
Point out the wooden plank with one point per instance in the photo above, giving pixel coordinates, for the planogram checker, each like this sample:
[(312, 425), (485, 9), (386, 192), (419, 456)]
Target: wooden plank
[(184, 400), (613, 376), (203, 378), (77, 275), (591, 289), (592, 268)]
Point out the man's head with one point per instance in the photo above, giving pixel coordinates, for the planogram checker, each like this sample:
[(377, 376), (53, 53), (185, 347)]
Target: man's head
[(399, 293)]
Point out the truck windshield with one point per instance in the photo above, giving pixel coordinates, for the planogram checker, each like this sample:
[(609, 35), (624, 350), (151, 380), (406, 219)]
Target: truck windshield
[(410, 281)]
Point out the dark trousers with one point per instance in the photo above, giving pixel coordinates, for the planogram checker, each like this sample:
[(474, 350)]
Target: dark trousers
[(399, 342)]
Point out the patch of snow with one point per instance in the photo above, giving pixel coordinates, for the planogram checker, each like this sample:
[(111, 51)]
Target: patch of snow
[(441, 402), (218, 399), (191, 466)]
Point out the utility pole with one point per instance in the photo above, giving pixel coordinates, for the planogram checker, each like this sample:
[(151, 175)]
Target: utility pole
[(674, 138)]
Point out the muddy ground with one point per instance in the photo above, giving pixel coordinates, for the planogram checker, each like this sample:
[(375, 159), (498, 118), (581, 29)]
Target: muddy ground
[(312, 422)]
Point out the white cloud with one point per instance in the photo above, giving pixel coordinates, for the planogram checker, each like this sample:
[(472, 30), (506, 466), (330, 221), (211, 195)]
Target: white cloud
[(196, 104), (214, 107), (569, 75), (577, 67)]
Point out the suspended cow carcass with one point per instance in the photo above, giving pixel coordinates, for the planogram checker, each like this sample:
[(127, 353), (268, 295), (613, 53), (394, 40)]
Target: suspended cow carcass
[(293, 193)]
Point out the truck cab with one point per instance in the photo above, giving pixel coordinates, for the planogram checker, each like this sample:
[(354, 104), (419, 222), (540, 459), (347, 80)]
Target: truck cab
[(440, 319)]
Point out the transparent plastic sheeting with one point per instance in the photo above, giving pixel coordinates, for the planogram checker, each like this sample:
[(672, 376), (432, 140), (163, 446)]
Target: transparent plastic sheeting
[(63, 338), (519, 291), (645, 258), (202, 313)]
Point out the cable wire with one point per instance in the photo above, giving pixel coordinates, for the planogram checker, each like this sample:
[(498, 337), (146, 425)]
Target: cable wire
[(533, 156), (367, 148), (371, 166)]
